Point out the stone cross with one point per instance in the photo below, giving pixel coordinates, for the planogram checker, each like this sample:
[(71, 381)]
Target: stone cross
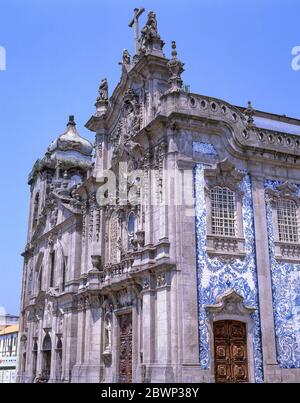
[(135, 22)]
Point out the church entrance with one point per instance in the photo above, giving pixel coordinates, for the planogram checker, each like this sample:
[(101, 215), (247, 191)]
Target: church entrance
[(230, 349), (125, 348)]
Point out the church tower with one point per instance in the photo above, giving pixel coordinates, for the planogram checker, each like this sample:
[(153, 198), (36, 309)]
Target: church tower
[(52, 258)]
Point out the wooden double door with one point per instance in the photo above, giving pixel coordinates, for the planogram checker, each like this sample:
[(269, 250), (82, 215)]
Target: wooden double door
[(125, 348), (230, 352)]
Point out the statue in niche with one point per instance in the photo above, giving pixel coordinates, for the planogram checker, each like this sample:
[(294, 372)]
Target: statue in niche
[(107, 333)]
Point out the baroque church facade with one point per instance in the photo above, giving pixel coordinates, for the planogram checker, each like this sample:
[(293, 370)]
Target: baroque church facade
[(168, 251)]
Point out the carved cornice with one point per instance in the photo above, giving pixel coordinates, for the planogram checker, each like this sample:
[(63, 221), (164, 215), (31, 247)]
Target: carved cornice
[(287, 191), (224, 174)]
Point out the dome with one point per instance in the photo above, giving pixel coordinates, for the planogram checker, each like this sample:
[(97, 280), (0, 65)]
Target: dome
[(71, 144)]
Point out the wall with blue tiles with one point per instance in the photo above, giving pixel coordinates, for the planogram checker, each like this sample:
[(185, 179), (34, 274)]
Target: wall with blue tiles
[(286, 298), (216, 277)]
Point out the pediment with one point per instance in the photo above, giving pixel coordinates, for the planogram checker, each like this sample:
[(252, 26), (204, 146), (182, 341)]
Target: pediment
[(229, 303), (287, 190), (223, 174)]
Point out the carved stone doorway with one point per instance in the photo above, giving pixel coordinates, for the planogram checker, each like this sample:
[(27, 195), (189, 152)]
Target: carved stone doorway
[(125, 348), (230, 352)]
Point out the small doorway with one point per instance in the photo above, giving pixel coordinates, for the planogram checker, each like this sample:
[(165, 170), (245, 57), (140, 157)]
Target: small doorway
[(230, 352)]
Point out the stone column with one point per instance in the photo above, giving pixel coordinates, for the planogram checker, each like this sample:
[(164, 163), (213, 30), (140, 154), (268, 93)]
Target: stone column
[(148, 326), (162, 370), (264, 281)]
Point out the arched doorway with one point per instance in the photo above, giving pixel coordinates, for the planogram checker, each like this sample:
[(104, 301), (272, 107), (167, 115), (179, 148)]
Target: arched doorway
[(46, 351), (230, 352), (58, 370)]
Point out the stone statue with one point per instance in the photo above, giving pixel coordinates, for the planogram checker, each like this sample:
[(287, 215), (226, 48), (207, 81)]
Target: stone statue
[(108, 330), (149, 32), (103, 90), (126, 57)]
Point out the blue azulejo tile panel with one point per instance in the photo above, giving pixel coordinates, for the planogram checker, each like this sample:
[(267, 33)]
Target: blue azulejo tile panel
[(204, 148), (286, 298), (216, 277)]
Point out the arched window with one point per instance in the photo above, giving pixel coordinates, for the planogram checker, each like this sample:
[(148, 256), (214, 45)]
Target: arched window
[(40, 279), (130, 230), (52, 268), (113, 238), (46, 364), (35, 210), (223, 217), (63, 273), (288, 228), (30, 281)]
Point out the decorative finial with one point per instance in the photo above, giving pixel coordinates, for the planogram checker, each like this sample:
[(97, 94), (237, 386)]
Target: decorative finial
[(176, 69), (249, 113), (174, 51), (71, 121)]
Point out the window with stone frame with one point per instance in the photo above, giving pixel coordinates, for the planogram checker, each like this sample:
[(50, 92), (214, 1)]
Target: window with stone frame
[(288, 229), (224, 217), (285, 206)]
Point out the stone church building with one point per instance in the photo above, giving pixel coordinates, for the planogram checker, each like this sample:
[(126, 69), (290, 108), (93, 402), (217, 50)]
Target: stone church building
[(168, 251)]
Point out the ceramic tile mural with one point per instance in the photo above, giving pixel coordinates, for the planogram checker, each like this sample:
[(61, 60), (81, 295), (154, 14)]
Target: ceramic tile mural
[(216, 277), (286, 299), (204, 148)]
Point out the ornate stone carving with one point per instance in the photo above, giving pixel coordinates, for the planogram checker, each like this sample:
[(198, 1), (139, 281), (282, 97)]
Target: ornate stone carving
[(84, 209), (229, 303), (126, 60), (224, 174), (125, 298), (249, 113), (107, 333), (150, 40), (140, 238), (129, 125), (146, 282), (176, 69), (113, 239), (161, 280), (285, 191), (131, 114), (97, 262), (103, 90), (158, 165)]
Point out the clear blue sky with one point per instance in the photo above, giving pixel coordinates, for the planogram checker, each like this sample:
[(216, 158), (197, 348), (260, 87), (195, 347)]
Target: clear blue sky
[(57, 51)]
